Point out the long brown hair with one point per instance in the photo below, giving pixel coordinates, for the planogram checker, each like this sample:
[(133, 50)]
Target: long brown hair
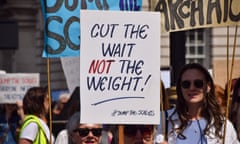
[(210, 109)]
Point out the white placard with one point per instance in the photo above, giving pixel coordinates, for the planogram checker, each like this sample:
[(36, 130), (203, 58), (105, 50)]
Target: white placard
[(119, 67), (13, 86), (71, 69)]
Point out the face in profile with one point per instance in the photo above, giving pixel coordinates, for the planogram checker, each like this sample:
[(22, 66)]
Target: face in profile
[(138, 134), (87, 134), (46, 104)]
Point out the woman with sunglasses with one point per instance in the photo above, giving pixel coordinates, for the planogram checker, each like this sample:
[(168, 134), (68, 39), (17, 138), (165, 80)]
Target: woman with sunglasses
[(83, 133), (197, 118), (139, 134)]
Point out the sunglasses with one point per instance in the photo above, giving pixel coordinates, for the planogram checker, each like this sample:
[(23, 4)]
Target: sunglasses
[(131, 130), (197, 83), (85, 131)]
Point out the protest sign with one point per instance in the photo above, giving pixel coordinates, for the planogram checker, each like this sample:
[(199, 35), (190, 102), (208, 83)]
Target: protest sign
[(71, 68), (13, 86), (179, 15), (62, 18), (119, 67)]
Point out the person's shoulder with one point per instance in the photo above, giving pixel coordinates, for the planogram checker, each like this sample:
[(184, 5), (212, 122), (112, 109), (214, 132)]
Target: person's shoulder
[(231, 133), (30, 121), (171, 111), (229, 123), (63, 132), (62, 137), (31, 125)]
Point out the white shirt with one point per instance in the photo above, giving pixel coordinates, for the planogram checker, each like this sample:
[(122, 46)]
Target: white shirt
[(62, 137), (230, 137), (31, 130)]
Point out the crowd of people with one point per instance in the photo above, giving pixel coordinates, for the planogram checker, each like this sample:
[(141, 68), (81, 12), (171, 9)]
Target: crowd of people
[(198, 116)]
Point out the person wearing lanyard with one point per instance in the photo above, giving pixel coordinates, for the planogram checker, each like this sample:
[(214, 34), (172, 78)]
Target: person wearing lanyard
[(197, 118)]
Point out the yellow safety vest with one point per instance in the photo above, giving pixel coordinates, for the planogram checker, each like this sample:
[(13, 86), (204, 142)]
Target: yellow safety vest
[(40, 137)]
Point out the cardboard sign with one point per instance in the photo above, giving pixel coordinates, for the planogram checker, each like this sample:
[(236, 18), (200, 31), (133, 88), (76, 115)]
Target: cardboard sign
[(13, 86), (119, 67), (189, 14)]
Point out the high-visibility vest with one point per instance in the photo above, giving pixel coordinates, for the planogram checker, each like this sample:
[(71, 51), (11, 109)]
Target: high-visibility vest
[(40, 137)]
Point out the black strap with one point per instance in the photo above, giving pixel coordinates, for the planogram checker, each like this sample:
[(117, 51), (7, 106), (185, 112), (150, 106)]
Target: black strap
[(166, 125)]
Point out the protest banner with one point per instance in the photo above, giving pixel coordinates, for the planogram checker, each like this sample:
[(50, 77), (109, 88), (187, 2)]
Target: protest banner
[(120, 67), (62, 22), (71, 69), (179, 15), (13, 86)]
